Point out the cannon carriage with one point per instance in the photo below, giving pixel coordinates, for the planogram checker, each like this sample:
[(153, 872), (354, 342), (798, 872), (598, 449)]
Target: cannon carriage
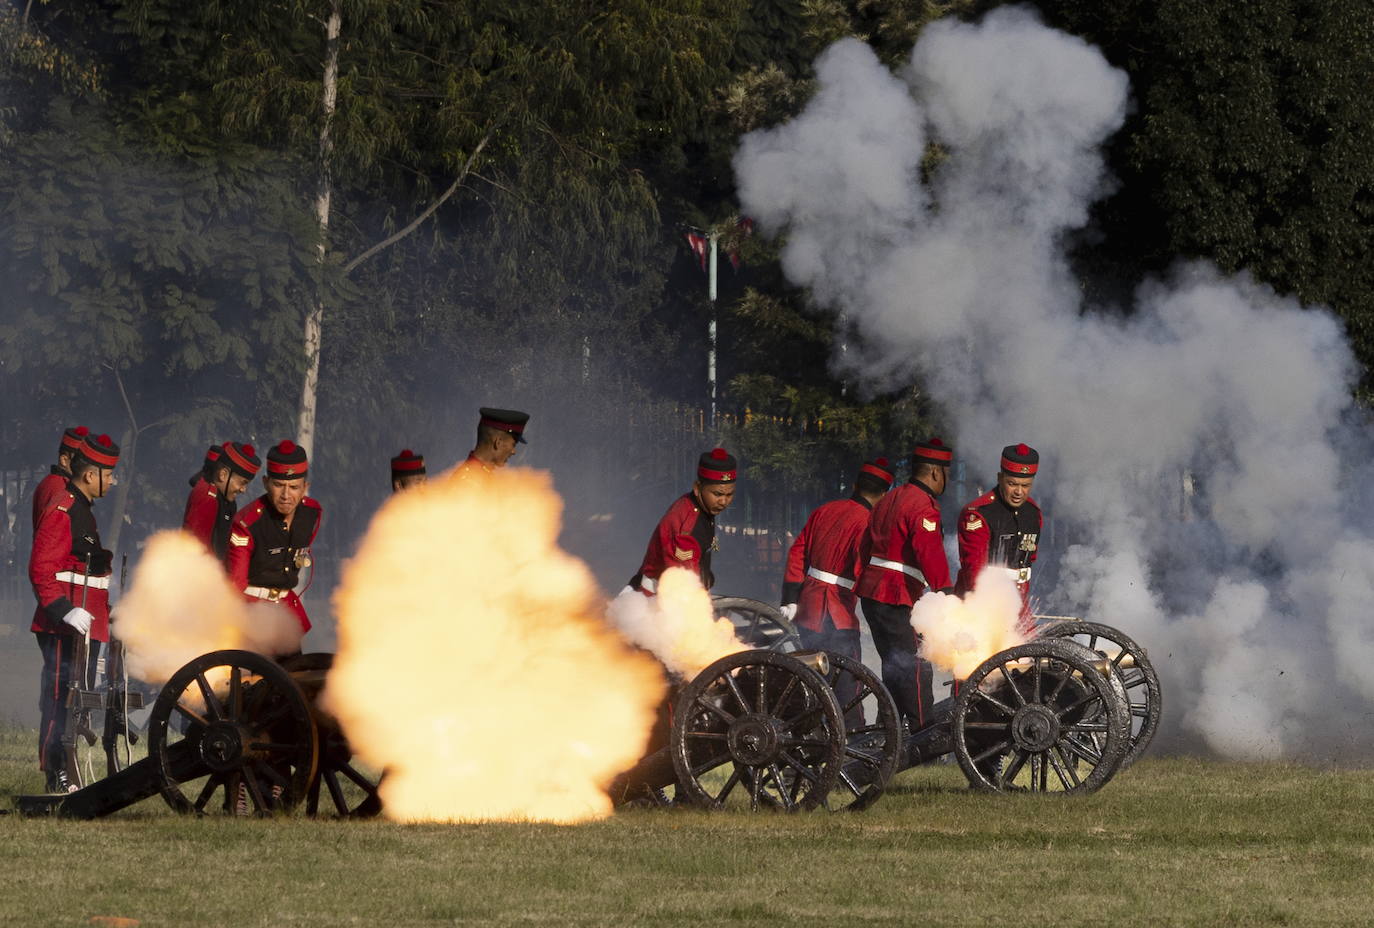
[(234, 732), (763, 729)]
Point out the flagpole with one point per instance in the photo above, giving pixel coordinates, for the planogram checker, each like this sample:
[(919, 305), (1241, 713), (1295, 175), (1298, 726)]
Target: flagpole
[(711, 333)]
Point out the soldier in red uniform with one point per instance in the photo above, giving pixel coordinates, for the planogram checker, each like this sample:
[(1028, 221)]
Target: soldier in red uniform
[(499, 433), (210, 507), (1002, 527), (686, 535), (70, 574), (824, 564), (904, 555), (53, 487), (407, 470), (271, 536)]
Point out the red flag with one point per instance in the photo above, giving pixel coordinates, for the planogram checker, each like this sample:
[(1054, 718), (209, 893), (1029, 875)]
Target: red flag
[(745, 225), (699, 245)]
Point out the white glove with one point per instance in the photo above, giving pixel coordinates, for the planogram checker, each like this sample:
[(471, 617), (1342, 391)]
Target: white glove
[(626, 589), (80, 620), (789, 612)]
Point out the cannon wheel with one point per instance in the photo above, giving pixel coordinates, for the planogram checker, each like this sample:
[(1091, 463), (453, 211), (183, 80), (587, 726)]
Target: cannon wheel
[(249, 726), (757, 624), (1040, 717), (872, 749), (758, 727), (1140, 680), (336, 769)]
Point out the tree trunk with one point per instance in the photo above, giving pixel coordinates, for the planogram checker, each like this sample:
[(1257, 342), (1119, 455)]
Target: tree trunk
[(314, 317), (128, 456)]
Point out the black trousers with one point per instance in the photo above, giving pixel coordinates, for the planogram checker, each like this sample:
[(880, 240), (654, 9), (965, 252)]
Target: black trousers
[(839, 641), (53, 683), (910, 679)]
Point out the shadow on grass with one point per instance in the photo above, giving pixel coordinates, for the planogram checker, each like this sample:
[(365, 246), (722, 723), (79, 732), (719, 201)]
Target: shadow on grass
[(925, 789)]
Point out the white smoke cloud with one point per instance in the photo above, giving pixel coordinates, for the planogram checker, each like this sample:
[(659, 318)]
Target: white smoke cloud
[(678, 626), (181, 605), (1196, 450)]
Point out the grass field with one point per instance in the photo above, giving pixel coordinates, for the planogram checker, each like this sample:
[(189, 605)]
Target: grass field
[(1170, 842)]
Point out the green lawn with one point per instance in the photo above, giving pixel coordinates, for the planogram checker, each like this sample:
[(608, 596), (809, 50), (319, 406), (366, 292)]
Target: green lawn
[(1173, 842)]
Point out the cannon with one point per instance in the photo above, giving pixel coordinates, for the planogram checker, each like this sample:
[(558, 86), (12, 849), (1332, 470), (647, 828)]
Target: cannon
[(757, 727), (1062, 713), (234, 732), (774, 727)]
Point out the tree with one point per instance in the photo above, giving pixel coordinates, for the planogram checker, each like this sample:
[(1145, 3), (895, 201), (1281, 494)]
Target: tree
[(175, 276), (1252, 144), (530, 114)]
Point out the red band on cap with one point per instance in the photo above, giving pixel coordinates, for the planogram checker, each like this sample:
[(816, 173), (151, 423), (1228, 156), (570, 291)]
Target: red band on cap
[(934, 455), (876, 472), (716, 476), (1018, 469), (503, 426), (276, 469), (93, 451), (241, 462), (408, 464), (75, 438)]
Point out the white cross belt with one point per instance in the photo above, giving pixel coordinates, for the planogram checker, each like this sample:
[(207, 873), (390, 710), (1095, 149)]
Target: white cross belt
[(71, 576), (826, 576), (898, 565)]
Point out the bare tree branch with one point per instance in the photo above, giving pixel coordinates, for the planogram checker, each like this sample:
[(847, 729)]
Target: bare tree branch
[(428, 211)]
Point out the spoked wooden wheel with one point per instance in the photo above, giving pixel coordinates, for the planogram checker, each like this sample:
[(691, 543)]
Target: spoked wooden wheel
[(759, 729), (1040, 717), (346, 790), (1137, 674), (873, 746), (244, 741), (757, 624)]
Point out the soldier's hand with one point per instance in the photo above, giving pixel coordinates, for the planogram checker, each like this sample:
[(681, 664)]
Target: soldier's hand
[(789, 611), (80, 620)]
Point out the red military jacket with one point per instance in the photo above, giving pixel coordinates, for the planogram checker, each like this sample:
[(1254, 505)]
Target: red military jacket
[(65, 536), (266, 555), (209, 517), (472, 464), (684, 537), (50, 491), (823, 564), (991, 532), (904, 550)]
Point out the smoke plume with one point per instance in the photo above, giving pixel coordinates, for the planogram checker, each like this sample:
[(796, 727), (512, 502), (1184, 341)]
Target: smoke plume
[(1197, 451), (181, 605), (474, 665), (678, 625), (959, 634)]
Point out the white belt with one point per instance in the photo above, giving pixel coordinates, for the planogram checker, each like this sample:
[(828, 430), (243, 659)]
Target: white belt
[(826, 576), (266, 592), (648, 585), (898, 565), (94, 583)]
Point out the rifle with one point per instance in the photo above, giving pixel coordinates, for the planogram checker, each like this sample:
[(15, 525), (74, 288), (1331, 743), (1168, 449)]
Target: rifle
[(78, 721), (117, 697)]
